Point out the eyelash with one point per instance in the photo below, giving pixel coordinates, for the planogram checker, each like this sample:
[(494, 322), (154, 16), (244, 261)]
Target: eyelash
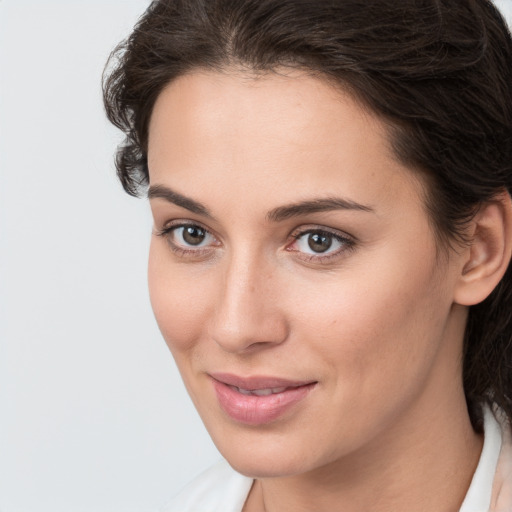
[(181, 251), (346, 242)]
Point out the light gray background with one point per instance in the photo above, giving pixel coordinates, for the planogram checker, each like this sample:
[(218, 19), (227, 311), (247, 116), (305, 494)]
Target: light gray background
[(93, 415)]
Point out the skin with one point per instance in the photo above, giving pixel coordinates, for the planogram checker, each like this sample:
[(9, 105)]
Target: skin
[(373, 320)]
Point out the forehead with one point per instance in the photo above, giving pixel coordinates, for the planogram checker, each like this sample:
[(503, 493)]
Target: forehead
[(287, 132), (289, 106)]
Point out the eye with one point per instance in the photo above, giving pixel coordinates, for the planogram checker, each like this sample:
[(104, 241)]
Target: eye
[(320, 244), (194, 236), (317, 242), (188, 239)]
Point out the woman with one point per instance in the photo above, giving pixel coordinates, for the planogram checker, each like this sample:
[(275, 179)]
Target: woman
[(329, 182)]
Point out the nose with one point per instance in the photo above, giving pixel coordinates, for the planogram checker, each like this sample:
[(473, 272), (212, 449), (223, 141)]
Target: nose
[(248, 314)]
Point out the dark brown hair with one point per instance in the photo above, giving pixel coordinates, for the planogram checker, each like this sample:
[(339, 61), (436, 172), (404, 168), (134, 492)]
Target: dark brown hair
[(438, 71)]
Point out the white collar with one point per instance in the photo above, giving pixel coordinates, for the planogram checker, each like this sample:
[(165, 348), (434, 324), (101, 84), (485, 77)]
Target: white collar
[(478, 497)]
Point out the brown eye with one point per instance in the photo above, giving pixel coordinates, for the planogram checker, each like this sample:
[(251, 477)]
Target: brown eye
[(193, 235), (189, 237), (319, 242), (321, 245), (190, 241)]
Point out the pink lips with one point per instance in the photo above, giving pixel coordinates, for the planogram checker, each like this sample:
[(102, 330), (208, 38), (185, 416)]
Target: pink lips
[(257, 400)]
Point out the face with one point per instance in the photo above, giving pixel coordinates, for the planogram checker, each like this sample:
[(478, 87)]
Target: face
[(293, 271)]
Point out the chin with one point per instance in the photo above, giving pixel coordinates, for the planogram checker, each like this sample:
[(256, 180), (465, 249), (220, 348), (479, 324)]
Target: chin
[(258, 461), (265, 469)]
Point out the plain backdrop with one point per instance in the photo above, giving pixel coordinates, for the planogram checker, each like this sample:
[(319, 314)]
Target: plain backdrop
[(93, 415)]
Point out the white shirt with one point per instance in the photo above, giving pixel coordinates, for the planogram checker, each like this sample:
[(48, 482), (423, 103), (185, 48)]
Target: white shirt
[(478, 497), (222, 489)]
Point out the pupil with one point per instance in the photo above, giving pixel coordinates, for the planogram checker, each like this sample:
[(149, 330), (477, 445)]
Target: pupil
[(319, 243), (193, 235)]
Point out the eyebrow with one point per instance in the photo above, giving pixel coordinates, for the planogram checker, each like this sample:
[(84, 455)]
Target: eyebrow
[(313, 206), (159, 191), (276, 215)]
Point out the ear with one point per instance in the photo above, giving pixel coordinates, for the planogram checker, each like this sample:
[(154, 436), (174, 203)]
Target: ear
[(486, 260)]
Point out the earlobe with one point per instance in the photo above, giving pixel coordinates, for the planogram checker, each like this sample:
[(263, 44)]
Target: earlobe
[(487, 257)]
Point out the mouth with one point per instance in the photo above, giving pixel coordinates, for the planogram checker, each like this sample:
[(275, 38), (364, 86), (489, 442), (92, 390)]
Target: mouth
[(258, 400), (259, 392)]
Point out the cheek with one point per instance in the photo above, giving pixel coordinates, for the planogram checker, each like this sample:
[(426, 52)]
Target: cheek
[(385, 327), (178, 303)]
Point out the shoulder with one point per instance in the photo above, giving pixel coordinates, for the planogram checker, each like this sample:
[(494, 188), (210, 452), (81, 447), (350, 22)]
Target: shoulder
[(218, 489)]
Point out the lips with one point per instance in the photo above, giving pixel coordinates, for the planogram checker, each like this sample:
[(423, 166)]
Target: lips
[(258, 400)]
